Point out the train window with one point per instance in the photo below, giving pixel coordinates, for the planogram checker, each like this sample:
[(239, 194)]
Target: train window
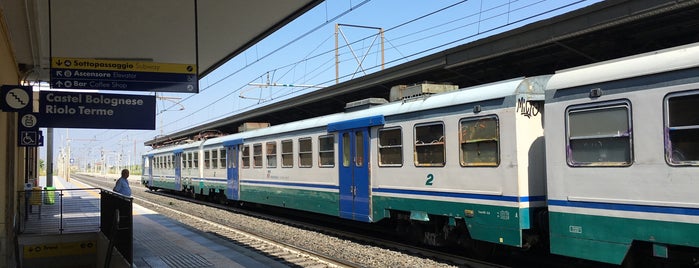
[(271, 154), (682, 129), (195, 159), (232, 161), (359, 148), (257, 155), (190, 160), (345, 150), (429, 145), (287, 153), (222, 158), (390, 147), (207, 159), (599, 135), (246, 156), (479, 140), (184, 160), (326, 151), (305, 152), (214, 158)]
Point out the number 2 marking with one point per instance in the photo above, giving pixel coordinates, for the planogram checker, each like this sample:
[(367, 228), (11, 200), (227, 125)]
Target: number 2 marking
[(430, 178)]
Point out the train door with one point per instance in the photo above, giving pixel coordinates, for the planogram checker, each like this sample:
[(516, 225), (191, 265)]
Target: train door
[(148, 169), (177, 165), (232, 171), (354, 174), (354, 179)]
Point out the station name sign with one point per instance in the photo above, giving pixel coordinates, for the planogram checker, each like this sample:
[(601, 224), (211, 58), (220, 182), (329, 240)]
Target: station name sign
[(93, 110), (84, 73)]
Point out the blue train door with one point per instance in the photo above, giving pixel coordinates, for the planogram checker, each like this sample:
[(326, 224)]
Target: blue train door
[(177, 164), (354, 179), (232, 177), (354, 174)]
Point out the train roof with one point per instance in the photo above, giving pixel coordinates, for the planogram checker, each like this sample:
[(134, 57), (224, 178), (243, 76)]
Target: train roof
[(671, 59), (531, 88), (183, 146)]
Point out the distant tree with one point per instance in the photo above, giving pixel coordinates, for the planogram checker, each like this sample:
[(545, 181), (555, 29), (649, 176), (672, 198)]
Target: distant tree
[(42, 165)]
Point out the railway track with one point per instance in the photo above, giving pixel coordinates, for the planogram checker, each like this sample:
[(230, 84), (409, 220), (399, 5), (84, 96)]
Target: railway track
[(226, 224), (285, 253)]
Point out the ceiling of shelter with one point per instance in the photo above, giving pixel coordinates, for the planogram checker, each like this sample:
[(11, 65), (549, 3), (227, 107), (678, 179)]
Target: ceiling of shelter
[(224, 28)]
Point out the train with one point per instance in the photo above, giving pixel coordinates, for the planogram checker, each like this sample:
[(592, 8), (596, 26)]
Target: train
[(598, 162)]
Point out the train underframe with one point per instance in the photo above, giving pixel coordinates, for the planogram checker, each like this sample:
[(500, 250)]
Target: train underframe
[(443, 231)]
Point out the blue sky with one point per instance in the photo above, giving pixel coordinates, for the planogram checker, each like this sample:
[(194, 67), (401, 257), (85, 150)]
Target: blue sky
[(302, 53)]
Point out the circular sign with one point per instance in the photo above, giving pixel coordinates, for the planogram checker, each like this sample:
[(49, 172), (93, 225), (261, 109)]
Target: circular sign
[(17, 98), (29, 120)]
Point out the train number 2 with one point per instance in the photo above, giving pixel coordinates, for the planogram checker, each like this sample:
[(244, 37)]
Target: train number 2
[(430, 178)]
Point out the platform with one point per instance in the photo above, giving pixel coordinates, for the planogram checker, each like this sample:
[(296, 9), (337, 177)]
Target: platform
[(159, 241)]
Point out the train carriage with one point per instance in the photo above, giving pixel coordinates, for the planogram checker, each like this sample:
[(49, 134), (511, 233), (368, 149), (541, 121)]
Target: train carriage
[(463, 158), (622, 152), (283, 166), (163, 167)]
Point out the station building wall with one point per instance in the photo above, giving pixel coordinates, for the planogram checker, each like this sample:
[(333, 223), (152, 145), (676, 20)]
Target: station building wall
[(13, 159)]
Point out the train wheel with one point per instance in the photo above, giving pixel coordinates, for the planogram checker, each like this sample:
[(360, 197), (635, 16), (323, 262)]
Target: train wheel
[(416, 232), (480, 249)]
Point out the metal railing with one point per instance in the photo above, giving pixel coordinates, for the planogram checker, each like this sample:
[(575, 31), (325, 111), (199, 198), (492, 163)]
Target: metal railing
[(51, 211)]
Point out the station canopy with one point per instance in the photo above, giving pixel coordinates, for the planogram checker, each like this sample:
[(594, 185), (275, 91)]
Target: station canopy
[(203, 32)]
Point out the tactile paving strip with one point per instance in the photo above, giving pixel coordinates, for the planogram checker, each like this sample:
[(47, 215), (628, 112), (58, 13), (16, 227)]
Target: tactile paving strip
[(168, 254), (191, 260)]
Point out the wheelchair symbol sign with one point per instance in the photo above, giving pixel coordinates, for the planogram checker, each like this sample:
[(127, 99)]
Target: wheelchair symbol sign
[(28, 138)]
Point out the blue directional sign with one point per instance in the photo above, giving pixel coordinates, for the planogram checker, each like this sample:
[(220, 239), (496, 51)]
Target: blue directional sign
[(81, 73), (93, 110)]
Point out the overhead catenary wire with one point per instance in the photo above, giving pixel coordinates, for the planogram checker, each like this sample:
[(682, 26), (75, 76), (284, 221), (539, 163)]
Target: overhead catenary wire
[(353, 7)]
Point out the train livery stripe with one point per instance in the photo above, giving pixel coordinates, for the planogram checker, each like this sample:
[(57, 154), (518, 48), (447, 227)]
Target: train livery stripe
[(294, 184), (410, 192), (462, 195), (607, 239), (626, 207), (222, 180)]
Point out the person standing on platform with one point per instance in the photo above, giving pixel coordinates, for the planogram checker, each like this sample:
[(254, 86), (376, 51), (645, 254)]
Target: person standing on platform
[(122, 184)]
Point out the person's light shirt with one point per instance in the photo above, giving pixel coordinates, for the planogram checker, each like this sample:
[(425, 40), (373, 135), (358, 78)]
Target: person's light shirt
[(122, 187)]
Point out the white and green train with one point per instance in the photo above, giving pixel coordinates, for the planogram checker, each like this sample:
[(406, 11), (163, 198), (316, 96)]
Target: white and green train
[(593, 162)]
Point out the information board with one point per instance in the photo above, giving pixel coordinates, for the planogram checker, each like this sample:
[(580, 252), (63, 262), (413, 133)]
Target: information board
[(94, 110), (81, 73)]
